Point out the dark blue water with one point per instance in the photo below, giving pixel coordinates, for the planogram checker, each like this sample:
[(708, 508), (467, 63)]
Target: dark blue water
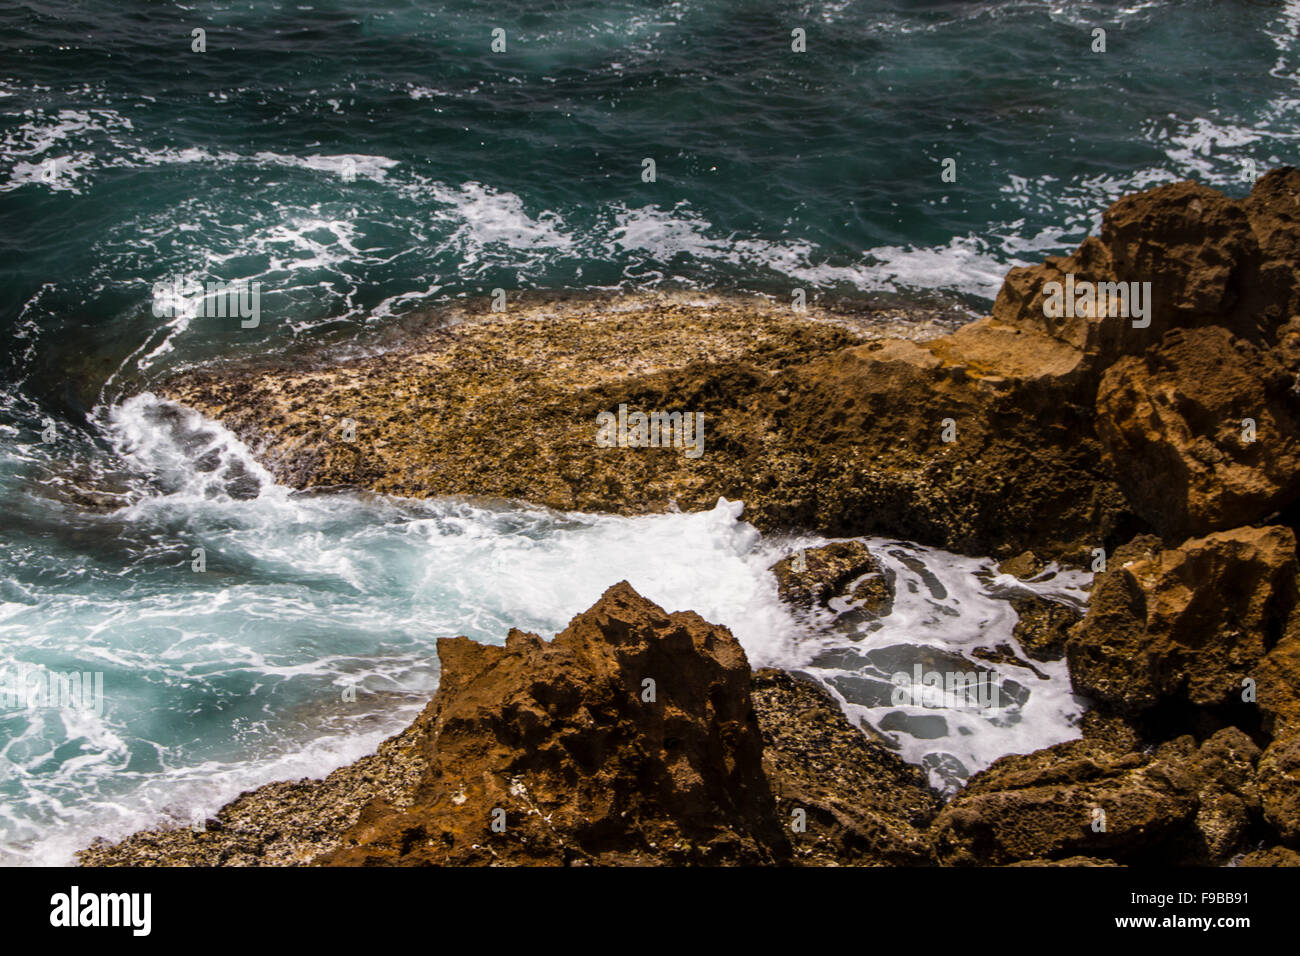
[(360, 160), (477, 170)]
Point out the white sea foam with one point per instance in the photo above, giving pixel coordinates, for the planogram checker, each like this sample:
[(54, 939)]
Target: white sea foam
[(486, 217), (38, 149), (188, 455), (965, 264), (945, 607)]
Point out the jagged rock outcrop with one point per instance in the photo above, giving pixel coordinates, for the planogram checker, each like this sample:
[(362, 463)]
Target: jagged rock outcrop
[(629, 738), (1216, 347), (1202, 432), (1186, 624), (1210, 259)]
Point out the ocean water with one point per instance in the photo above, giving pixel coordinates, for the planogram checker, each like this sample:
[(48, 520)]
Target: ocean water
[(360, 160)]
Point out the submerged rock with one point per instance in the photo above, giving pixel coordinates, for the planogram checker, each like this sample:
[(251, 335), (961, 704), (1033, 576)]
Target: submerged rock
[(812, 577)]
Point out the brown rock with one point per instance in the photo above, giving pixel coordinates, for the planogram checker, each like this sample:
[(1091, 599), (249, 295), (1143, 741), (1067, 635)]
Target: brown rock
[(1287, 348), (1110, 732), (1279, 789), (1042, 626), (1193, 244), (862, 805), (1026, 564), (1272, 296), (1021, 469), (1227, 795), (1190, 241), (1171, 423), (811, 428), (811, 577), (1271, 856), (1048, 805), (1277, 682), (559, 740), (1184, 624), (1180, 804), (1226, 761), (504, 405)]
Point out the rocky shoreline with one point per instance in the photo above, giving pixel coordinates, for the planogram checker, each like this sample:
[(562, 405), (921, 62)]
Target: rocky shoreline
[(1159, 445)]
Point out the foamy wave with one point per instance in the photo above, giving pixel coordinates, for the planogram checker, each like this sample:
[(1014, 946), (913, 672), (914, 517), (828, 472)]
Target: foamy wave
[(35, 149), (30, 146), (184, 453), (485, 218), (965, 264)]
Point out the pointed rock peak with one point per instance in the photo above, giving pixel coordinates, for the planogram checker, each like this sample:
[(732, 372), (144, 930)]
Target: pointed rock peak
[(622, 592), (461, 659), (620, 613)]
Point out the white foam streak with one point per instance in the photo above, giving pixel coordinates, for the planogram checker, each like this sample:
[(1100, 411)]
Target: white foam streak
[(964, 264)]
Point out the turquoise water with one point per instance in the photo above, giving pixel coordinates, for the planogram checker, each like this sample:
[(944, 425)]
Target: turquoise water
[(361, 159)]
